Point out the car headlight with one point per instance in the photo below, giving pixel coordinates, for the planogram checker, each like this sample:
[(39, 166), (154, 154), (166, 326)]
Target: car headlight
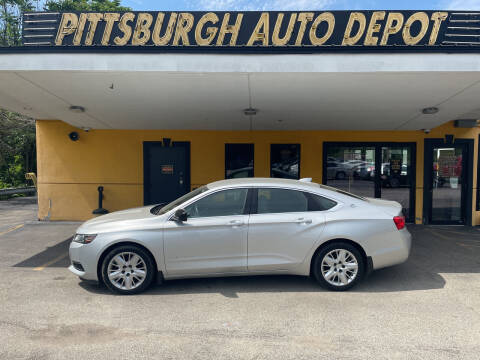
[(84, 238)]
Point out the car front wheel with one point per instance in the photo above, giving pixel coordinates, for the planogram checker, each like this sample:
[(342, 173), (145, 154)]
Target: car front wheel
[(128, 269), (338, 266)]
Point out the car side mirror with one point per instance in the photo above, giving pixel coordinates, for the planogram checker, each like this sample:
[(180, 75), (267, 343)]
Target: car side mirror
[(180, 215)]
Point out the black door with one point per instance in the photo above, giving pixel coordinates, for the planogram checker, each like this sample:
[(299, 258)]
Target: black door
[(448, 181), (166, 171)]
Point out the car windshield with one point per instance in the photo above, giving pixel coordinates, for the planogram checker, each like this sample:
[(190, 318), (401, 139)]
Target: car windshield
[(162, 209), (342, 192)]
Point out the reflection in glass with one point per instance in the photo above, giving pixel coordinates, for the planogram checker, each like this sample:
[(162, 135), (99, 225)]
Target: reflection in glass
[(222, 203), (447, 180), (285, 161), (238, 161), (396, 176), (352, 168)]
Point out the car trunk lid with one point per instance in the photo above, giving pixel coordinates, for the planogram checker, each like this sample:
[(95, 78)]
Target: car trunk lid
[(390, 207)]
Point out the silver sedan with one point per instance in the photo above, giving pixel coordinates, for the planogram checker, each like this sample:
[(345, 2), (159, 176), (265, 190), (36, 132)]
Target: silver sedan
[(244, 227)]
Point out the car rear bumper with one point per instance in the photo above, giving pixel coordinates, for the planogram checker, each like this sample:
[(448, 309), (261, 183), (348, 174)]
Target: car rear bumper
[(396, 250)]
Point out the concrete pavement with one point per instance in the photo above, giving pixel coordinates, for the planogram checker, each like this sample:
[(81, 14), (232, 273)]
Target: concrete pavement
[(427, 308)]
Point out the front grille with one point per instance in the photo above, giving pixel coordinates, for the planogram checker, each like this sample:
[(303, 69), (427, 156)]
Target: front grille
[(78, 266)]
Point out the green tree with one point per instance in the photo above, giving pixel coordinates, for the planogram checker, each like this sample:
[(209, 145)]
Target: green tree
[(11, 21), (17, 148), (85, 5), (17, 132)]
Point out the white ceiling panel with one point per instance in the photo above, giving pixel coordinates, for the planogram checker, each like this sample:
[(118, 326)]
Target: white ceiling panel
[(360, 99)]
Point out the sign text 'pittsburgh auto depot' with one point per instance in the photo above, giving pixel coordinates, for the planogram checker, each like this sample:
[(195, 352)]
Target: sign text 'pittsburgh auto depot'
[(251, 29)]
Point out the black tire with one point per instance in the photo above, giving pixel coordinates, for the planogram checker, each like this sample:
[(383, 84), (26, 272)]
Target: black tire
[(340, 175), (340, 245), (394, 183), (144, 255)]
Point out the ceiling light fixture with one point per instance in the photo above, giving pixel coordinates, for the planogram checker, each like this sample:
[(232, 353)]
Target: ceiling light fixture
[(430, 110), (250, 112), (77, 109)]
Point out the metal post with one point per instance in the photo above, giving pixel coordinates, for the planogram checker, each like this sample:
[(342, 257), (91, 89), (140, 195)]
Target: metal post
[(100, 209)]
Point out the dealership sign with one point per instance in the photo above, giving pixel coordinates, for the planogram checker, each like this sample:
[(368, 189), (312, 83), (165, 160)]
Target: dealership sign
[(243, 30)]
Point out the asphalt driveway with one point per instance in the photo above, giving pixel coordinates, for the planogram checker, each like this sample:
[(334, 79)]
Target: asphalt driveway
[(427, 308)]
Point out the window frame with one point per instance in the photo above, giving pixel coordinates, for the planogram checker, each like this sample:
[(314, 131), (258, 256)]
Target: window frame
[(412, 145), (299, 146), (477, 200), (252, 145)]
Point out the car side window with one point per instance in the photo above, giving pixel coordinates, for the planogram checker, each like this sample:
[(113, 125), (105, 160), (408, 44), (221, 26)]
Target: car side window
[(220, 203), (319, 203), (281, 201), (271, 201)]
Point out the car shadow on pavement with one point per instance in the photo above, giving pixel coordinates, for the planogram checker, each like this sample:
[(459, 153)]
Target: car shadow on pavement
[(435, 251), (394, 279), (53, 256)]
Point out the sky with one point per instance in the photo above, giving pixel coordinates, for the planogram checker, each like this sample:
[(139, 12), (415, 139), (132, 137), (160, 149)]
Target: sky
[(243, 5)]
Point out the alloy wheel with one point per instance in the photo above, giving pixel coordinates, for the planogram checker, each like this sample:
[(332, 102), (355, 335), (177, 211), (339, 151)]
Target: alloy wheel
[(127, 270), (339, 267)]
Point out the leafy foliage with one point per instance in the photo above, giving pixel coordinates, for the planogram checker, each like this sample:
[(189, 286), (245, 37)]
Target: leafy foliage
[(85, 5), (17, 132), (11, 21), (17, 148)]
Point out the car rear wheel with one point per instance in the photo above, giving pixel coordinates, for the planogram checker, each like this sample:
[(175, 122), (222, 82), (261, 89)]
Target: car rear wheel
[(338, 266), (394, 183), (128, 269)]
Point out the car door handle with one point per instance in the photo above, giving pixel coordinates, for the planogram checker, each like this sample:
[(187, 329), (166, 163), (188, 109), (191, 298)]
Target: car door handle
[(303, 221), (236, 223)]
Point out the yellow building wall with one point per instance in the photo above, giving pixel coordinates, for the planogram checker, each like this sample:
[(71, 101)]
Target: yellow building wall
[(69, 172)]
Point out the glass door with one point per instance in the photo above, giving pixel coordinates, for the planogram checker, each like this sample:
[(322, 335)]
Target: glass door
[(397, 179), (448, 181), (448, 184)]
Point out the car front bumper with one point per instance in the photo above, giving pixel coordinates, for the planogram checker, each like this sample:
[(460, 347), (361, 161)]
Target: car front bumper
[(83, 258)]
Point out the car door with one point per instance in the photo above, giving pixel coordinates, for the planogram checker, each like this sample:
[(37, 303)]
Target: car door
[(283, 227), (214, 237)]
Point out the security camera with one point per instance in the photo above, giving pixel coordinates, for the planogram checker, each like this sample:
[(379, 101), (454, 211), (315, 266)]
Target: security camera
[(426, 131), (73, 136)]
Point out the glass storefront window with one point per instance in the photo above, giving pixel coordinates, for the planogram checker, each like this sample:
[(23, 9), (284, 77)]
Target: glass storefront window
[(353, 167), (238, 161), (285, 161)]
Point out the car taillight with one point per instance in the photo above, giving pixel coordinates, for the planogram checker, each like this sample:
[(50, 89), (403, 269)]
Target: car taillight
[(399, 222)]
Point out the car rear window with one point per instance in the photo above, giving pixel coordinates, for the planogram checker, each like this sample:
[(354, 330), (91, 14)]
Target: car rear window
[(342, 192), (319, 203)]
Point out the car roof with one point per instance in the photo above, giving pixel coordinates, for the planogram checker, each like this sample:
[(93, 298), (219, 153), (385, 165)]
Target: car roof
[(336, 194), (260, 182)]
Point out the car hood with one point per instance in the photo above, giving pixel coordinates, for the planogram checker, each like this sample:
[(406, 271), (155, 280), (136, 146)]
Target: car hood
[(114, 220), (392, 208)]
